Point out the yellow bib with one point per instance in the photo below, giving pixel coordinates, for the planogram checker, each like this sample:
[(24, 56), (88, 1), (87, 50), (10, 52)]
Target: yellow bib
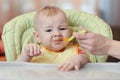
[(56, 57)]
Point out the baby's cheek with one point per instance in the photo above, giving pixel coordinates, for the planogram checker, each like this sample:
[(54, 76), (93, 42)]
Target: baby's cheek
[(66, 43), (66, 36)]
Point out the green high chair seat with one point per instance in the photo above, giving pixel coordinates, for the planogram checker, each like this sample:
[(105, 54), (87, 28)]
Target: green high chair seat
[(18, 32)]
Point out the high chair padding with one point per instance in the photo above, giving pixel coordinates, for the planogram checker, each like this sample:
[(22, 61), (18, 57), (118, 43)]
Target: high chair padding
[(19, 31)]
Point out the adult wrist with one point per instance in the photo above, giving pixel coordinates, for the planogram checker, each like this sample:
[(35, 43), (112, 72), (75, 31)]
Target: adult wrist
[(110, 45)]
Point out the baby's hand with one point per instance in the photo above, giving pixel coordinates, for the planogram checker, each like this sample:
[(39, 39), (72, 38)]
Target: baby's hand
[(71, 63), (32, 50)]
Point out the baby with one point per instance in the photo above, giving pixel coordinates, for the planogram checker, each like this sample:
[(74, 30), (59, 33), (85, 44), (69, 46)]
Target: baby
[(51, 28)]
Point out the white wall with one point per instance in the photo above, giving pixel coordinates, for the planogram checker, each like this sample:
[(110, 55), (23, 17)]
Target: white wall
[(110, 11)]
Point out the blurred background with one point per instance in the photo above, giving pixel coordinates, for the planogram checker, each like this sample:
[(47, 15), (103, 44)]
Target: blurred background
[(108, 10)]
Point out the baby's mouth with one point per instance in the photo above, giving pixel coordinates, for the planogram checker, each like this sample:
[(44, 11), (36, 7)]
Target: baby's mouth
[(58, 40)]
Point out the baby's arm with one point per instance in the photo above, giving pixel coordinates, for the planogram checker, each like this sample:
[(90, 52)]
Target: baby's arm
[(74, 62), (29, 52)]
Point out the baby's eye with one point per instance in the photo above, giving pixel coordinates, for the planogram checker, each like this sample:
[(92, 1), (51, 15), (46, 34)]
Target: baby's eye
[(63, 28), (49, 30)]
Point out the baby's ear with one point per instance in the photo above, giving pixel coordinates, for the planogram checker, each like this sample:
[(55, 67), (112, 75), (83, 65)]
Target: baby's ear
[(36, 36)]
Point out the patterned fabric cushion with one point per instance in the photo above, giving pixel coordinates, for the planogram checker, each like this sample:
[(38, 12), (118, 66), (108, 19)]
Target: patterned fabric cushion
[(1, 46)]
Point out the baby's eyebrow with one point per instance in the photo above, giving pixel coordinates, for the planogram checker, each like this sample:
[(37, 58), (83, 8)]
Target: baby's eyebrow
[(63, 25), (48, 26)]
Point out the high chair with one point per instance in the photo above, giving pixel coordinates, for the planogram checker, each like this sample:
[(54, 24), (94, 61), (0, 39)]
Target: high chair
[(19, 31)]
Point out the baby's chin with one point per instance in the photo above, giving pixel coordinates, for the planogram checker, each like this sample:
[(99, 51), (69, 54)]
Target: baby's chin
[(57, 47)]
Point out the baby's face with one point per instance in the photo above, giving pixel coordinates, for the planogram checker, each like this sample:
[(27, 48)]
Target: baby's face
[(52, 31)]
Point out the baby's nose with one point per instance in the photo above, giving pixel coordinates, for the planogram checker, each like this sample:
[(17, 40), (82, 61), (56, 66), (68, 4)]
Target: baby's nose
[(57, 35)]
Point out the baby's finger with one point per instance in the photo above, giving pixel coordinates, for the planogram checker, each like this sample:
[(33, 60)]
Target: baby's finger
[(77, 67), (64, 68), (70, 67), (60, 67), (38, 49), (27, 49), (35, 49), (31, 50)]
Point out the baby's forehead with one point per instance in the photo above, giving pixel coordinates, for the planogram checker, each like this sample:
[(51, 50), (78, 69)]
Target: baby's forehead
[(41, 15), (45, 18), (48, 19)]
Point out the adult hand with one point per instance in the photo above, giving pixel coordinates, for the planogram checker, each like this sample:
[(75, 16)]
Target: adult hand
[(93, 42)]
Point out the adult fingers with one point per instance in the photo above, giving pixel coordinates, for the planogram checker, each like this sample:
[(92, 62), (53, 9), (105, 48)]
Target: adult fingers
[(87, 42), (87, 47), (79, 36)]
